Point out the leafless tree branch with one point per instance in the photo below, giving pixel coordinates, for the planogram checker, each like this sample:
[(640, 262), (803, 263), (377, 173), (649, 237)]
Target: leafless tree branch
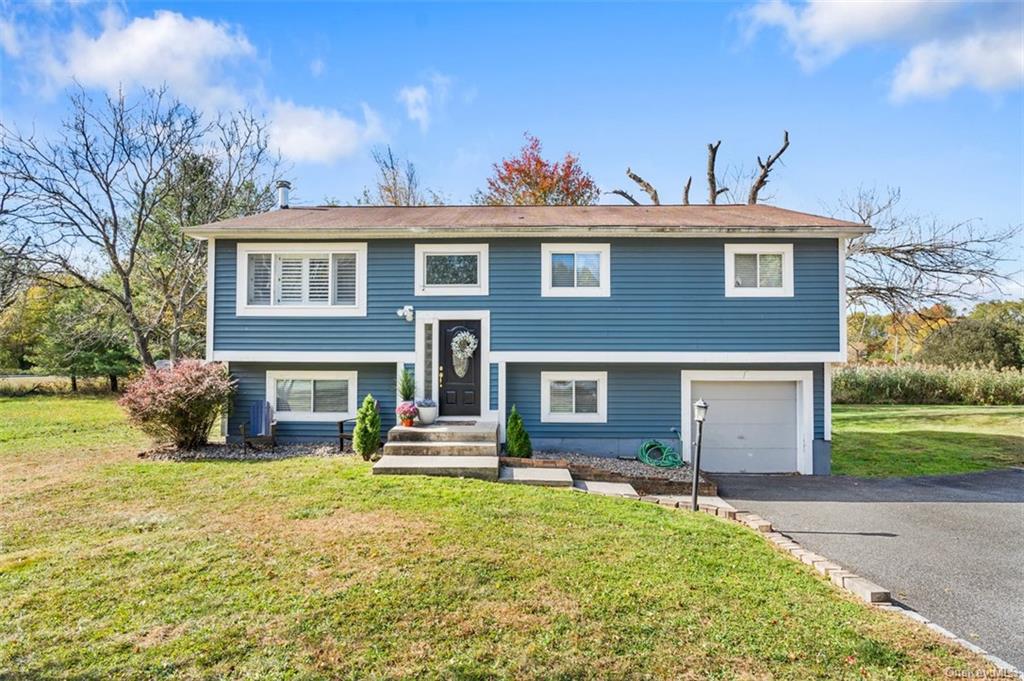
[(766, 168)]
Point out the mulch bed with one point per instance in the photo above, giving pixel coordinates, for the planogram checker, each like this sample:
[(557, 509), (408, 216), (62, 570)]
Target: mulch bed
[(233, 452)]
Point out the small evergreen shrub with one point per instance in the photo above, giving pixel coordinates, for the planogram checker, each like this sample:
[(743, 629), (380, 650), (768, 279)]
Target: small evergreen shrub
[(517, 440), (366, 437), (922, 384), (407, 386), (179, 403)]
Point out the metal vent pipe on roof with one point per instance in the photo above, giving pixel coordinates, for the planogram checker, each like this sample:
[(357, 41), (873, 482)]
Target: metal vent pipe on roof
[(282, 193)]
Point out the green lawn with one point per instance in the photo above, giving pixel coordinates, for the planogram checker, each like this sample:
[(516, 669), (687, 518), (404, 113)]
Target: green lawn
[(115, 567), (897, 440)]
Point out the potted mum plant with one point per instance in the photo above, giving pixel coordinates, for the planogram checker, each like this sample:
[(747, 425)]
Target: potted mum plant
[(427, 411), (406, 412)]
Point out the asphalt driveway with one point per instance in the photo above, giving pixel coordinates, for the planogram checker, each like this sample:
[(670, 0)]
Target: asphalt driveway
[(950, 547)]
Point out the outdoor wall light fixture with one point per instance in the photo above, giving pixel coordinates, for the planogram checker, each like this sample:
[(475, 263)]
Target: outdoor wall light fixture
[(407, 312), (700, 412)]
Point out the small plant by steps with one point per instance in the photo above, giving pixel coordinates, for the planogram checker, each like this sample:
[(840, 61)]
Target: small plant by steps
[(517, 440)]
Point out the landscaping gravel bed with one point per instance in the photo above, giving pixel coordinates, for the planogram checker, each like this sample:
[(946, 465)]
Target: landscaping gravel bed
[(233, 452), (633, 468)]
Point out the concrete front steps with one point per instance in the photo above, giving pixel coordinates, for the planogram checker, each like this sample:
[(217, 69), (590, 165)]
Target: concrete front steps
[(455, 450)]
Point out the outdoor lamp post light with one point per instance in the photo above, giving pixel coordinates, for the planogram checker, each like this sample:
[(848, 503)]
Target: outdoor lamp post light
[(700, 412)]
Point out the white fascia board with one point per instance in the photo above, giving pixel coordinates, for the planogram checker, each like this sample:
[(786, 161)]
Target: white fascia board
[(657, 357), (370, 357)]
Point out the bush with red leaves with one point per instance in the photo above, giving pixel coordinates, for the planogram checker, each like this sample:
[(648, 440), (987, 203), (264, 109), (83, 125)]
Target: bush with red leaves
[(180, 403)]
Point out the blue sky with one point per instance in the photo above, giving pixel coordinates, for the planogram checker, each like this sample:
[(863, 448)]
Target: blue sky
[(922, 96)]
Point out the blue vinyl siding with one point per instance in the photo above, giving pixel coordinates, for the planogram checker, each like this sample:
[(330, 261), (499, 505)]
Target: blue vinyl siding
[(378, 379), (666, 295), (644, 400)]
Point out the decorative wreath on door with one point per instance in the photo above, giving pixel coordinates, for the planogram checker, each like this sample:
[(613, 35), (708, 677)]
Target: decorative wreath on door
[(464, 344)]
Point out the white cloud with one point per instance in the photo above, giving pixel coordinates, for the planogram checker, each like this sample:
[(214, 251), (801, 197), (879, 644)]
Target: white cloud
[(316, 67), (990, 61), (822, 30), (188, 54), (948, 48), (417, 104), (421, 100), (9, 41), (311, 134)]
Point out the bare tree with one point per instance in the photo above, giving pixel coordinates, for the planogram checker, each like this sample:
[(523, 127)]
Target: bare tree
[(757, 181), (911, 262), (232, 175), (713, 190), (766, 168), (396, 184), (90, 194), (14, 272)]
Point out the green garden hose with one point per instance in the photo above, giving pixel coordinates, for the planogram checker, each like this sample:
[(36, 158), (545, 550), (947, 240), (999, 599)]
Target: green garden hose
[(655, 453)]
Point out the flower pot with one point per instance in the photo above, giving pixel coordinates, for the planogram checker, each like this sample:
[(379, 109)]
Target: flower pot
[(407, 423), (428, 415)]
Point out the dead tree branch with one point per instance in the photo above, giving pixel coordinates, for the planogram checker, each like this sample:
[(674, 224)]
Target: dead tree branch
[(626, 195), (713, 190), (766, 168), (645, 185), (686, 190)]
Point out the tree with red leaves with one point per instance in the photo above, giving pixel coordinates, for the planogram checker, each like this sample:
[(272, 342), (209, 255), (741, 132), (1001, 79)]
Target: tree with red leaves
[(528, 179)]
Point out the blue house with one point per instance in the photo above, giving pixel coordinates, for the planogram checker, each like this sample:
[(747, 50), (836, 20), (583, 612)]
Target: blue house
[(601, 324)]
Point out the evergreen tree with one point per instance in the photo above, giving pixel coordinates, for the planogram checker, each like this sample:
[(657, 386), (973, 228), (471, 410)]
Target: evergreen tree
[(366, 438), (517, 440)]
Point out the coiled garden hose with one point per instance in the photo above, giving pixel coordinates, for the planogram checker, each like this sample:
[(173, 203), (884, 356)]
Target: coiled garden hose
[(655, 453)]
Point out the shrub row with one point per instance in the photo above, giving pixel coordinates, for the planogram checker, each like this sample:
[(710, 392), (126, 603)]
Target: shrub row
[(921, 384)]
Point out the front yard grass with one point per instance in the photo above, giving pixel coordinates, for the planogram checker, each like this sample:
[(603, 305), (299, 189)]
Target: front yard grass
[(112, 567), (900, 440)]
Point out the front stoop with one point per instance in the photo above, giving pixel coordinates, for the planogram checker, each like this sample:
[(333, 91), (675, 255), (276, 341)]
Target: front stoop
[(481, 431), (479, 467), (545, 477)]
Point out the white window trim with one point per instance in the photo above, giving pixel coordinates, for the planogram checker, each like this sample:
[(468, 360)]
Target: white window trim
[(784, 291), (313, 416), (604, 290), (243, 309), (483, 270), (804, 406), (546, 378)]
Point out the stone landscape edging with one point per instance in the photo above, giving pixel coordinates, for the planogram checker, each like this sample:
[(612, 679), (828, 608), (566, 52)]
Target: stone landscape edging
[(861, 587)]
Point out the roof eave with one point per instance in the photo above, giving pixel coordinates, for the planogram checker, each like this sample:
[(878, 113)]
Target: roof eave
[(215, 232)]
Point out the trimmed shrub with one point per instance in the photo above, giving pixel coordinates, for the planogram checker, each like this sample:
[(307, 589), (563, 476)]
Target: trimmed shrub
[(366, 436), (179, 404), (922, 384), (407, 386), (517, 440)]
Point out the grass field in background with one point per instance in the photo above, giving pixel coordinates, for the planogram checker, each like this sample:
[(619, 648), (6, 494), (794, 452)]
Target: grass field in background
[(899, 440), (115, 567)]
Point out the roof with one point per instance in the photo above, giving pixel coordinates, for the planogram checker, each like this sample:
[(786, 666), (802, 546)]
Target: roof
[(383, 221)]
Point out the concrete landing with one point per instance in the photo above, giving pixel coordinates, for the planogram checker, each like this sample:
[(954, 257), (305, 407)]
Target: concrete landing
[(481, 431), (480, 467), (545, 477), (615, 489)]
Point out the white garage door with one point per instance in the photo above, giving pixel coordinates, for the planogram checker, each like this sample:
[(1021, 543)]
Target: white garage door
[(751, 426)]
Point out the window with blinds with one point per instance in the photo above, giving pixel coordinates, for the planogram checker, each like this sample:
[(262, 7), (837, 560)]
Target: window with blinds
[(759, 270), (574, 397), (576, 270), (311, 395), (302, 279)]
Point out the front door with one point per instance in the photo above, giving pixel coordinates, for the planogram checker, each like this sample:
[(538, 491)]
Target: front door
[(459, 374)]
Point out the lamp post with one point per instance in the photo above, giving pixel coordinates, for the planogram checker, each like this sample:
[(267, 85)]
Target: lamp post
[(700, 412)]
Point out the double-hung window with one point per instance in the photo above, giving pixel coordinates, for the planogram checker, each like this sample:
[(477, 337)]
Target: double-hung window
[(312, 395), (451, 270), (575, 270), (301, 280), (758, 270), (574, 396)]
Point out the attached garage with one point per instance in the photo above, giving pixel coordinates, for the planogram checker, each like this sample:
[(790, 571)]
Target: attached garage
[(757, 422)]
